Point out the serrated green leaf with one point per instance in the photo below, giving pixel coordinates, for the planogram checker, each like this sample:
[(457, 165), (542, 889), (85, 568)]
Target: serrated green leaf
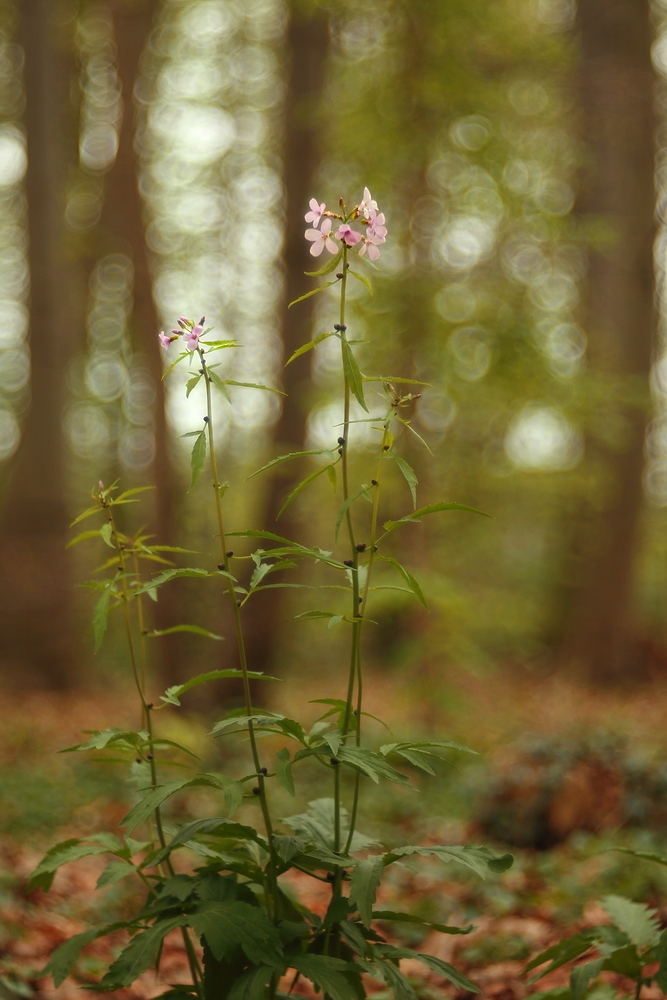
[(559, 954), (432, 508), (410, 477), (409, 579), (327, 974), (328, 267), (297, 489), (95, 509), (478, 859), (392, 977), (106, 532), (101, 615), (411, 918), (83, 536), (198, 457), (637, 920), (344, 507), (191, 384), (195, 629), (171, 574), (173, 693), (69, 850), (366, 877), (284, 770), (225, 925), (255, 385), (287, 458), (252, 985), (115, 872), (63, 958), (371, 764), (184, 354), (219, 384), (581, 977), (364, 281), (661, 956), (353, 375), (309, 346), (140, 954)]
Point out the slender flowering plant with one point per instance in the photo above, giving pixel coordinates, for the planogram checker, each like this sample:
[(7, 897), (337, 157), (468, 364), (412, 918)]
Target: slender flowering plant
[(245, 936)]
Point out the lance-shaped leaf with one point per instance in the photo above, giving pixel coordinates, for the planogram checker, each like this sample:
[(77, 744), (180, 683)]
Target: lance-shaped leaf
[(63, 958), (309, 346), (171, 574), (313, 291), (582, 976), (184, 354), (101, 614), (195, 629), (191, 384), (478, 859), (172, 694), (353, 375), (225, 925), (366, 877), (637, 920), (252, 984), (254, 385), (330, 975), (115, 872), (411, 918), (561, 953), (284, 770), (661, 956), (345, 506), (140, 954), (212, 826), (70, 850), (302, 485), (370, 764), (409, 579), (364, 281), (288, 458), (391, 976), (432, 508), (437, 965), (198, 457), (410, 477), (156, 796)]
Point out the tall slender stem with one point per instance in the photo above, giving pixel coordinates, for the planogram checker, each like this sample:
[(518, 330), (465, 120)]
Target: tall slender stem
[(239, 638), (193, 961)]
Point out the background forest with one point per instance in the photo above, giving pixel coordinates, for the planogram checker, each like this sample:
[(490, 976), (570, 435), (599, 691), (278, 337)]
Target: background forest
[(157, 158)]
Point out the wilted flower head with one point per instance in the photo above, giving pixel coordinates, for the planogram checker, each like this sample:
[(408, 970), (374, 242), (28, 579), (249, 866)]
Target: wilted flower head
[(316, 212)]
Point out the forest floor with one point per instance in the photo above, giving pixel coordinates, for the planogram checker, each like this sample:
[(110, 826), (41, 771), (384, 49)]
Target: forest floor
[(545, 896)]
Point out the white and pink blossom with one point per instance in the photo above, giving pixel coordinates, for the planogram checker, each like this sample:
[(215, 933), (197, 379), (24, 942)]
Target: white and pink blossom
[(376, 227), (316, 212), (367, 205), (321, 238), (372, 247), (348, 236)]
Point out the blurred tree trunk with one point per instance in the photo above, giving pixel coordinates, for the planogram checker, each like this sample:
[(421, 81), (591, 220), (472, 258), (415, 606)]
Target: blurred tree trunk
[(36, 633), (308, 43), (122, 224), (618, 122)]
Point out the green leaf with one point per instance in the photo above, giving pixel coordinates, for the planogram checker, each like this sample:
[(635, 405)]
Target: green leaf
[(106, 532), (312, 615), (63, 958), (184, 354), (213, 826), (411, 918), (198, 457), (191, 384), (581, 976), (66, 851), (660, 859), (251, 985), (219, 384), (353, 375), (364, 491), (635, 919), (328, 267), (171, 574), (370, 764), (392, 976), (195, 629), (95, 509), (410, 477), (101, 615), (140, 954), (172, 694), (115, 872), (448, 971), (254, 385), (433, 508), (364, 281), (317, 826), (366, 877), (478, 859), (226, 925), (287, 458), (327, 974), (284, 770), (130, 493), (559, 954), (625, 961), (297, 489), (409, 579), (309, 346), (83, 536), (661, 956)]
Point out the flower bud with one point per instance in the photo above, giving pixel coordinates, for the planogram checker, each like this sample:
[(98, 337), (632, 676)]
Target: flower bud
[(230, 554), (334, 762), (347, 562), (257, 790), (361, 547), (340, 441), (221, 565), (263, 770)]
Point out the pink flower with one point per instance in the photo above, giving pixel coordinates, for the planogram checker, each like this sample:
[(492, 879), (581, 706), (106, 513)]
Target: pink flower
[(377, 231), (165, 340), (320, 238), (367, 205), (191, 337), (347, 235), (316, 212), (373, 251)]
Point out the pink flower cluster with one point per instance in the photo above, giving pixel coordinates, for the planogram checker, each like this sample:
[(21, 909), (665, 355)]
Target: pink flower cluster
[(190, 331), (367, 211)]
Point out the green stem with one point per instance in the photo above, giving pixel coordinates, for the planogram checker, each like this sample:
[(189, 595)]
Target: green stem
[(146, 712), (240, 641)]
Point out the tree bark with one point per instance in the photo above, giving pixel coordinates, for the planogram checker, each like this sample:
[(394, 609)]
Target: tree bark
[(122, 228), (308, 43), (35, 588), (617, 83)]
